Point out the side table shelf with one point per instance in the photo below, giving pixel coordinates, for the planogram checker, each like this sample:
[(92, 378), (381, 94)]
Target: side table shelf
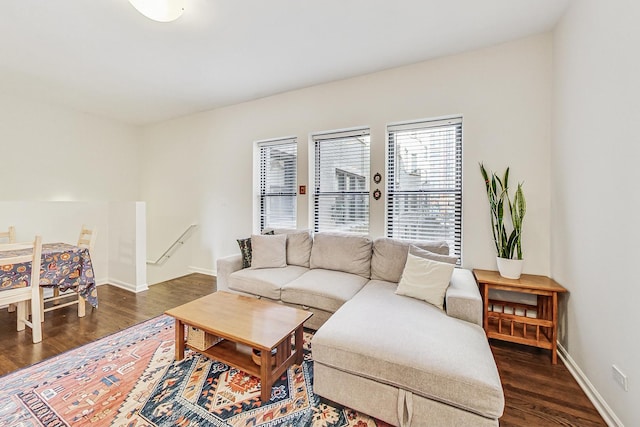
[(533, 325)]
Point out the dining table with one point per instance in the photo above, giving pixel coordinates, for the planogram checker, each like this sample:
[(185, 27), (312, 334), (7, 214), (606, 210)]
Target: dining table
[(63, 266)]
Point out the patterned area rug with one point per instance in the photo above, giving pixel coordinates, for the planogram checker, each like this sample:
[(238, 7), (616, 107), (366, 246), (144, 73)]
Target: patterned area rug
[(130, 379)]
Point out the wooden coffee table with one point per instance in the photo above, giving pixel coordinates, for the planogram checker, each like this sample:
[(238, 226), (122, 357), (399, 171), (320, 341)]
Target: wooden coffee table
[(245, 323)]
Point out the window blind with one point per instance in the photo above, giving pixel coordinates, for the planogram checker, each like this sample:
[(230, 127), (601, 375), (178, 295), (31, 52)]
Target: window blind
[(341, 188), (278, 180), (424, 181)]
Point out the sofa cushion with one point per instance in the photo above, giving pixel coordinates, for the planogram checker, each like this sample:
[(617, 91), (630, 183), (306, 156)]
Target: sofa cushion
[(390, 256), (323, 289), (342, 252), (423, 253), (299, 244), (266, 281), (425, 279), (412, 345)]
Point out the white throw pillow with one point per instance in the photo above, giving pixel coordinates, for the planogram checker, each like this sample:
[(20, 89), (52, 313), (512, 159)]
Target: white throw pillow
[(268, 251), (425, 279)]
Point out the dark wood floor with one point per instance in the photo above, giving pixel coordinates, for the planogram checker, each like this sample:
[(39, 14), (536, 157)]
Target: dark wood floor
[(536, 392)]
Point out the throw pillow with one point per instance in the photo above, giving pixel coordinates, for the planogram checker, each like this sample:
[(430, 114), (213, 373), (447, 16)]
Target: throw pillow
[(245, 251), (425, 279), (268, 251), (423, 253), (390, 256)]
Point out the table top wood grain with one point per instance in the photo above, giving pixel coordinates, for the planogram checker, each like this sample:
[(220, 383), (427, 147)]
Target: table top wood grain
[(527, 283), (254, 322)]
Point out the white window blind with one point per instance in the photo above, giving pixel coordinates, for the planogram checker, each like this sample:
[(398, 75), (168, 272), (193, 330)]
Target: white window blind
[(278, 180), (341, 190), (424, 182)]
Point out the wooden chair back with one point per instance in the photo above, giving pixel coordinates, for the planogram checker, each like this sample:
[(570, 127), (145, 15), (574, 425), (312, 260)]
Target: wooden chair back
[(10, 235), (28, 293), (87, 237)]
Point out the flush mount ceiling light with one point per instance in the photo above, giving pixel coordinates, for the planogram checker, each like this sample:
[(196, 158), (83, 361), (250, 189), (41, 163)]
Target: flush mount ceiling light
[(160, 10)]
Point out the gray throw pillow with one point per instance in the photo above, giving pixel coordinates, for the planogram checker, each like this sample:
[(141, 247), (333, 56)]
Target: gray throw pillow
[(245, 249), (268, 251)]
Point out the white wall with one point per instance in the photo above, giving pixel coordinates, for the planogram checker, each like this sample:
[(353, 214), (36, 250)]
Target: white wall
[(53, 153), (595, 197), (198, 169), (60, 169), (127, 245)]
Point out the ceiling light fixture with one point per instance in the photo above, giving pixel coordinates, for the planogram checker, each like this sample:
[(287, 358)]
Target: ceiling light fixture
[(160, 10)]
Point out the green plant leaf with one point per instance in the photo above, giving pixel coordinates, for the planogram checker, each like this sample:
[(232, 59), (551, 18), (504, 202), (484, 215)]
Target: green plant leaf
[(507, 245)]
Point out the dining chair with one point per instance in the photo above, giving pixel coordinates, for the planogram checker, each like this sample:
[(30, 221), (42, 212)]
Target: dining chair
[(28, 293), (10, 235), (87, 239)]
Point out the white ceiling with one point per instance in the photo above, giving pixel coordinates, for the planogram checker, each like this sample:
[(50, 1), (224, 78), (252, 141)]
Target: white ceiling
[(103, 57)]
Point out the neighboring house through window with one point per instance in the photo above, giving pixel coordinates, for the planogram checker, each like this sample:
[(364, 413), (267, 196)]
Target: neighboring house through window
[(424, 181), (278, 181), (341, 188)]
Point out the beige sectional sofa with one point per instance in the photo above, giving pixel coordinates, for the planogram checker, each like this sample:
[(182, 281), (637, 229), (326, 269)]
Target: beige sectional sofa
[(396, 358)]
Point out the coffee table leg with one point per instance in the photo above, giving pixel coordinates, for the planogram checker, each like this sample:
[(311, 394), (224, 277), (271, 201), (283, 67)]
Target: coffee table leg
[(179, 340), (299, 345), (265, 375)]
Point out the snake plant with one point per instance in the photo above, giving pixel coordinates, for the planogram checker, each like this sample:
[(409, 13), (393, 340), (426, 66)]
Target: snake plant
[(508, 245)]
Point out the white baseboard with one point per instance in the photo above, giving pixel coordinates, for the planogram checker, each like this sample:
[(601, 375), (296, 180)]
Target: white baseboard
[(127, 286), (202, 271), (598, 401)]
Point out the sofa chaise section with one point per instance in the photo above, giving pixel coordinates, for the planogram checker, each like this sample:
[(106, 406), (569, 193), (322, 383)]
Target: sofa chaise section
[(408, 349)]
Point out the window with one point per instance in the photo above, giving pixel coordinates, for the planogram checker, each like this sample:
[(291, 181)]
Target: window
[(424, 182), (341, 190), (278, 180)]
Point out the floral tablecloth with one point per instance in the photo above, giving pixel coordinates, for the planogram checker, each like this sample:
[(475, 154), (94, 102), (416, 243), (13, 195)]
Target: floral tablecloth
[(63, 266)]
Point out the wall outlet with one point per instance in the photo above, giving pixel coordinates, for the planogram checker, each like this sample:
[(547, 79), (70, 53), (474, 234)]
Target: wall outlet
[(620, 378)]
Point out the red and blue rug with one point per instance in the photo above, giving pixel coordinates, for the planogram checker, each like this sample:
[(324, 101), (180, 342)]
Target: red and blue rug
[(130, 379)]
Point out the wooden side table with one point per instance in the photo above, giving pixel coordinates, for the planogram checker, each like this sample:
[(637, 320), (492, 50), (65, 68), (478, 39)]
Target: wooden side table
[(534, 325)]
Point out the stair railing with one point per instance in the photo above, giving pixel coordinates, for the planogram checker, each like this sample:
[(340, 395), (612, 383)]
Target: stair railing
[(174, 246)]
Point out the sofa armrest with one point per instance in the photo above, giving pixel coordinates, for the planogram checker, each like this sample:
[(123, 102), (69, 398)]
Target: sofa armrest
[(463, 299), (224, 267)]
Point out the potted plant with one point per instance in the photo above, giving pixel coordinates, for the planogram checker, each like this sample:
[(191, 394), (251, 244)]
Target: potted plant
[(508, 244)]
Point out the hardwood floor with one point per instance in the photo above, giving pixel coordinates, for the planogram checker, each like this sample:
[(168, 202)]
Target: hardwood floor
[(536, 392), (118, 309)]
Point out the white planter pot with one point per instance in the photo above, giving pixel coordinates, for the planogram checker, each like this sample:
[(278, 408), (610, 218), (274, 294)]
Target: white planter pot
[(509, 268)]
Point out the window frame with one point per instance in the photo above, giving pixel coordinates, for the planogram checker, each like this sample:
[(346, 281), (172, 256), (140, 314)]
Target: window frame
[(350, 197), (264, 195), (392, 168)]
